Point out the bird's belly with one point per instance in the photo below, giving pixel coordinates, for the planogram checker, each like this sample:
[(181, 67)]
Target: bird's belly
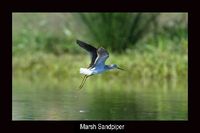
[(97, 70)]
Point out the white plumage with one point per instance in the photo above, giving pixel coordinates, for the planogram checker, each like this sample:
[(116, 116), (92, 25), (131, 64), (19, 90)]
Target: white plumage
[(85, 71)]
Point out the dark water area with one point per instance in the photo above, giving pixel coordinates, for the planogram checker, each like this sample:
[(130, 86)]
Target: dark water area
[(161, 101)]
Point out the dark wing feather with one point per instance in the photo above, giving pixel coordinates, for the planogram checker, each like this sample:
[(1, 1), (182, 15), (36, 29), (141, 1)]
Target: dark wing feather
[(92, 50), (102, 56)]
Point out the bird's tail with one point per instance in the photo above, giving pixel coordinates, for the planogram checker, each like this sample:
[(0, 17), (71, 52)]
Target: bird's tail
[(85, 71)]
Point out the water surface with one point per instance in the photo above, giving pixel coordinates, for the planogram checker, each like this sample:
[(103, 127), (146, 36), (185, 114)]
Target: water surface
[(141, 101)]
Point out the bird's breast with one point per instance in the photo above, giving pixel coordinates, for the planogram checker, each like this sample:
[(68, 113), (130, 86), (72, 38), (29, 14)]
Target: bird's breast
[(97, 70)]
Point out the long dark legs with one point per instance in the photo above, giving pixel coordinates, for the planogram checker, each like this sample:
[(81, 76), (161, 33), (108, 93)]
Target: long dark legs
[(83, 81)]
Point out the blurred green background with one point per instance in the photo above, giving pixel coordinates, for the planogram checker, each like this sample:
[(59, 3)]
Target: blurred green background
[(152, 47)]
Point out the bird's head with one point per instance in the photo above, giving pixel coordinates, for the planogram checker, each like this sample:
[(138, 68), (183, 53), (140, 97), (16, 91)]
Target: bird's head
[(113, 66)]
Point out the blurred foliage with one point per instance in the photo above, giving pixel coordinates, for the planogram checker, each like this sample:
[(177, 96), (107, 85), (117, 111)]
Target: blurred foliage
[(56, 32), (150, 63), (41, 32), (118, 31), (44, 44)]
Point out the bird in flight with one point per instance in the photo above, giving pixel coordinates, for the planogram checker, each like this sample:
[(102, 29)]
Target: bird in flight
[(97, 64)]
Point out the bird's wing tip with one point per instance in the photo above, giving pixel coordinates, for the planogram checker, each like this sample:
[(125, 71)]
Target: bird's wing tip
[(77, 41)]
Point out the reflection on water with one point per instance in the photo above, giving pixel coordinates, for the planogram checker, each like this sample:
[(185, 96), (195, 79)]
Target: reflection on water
[(160, 101)]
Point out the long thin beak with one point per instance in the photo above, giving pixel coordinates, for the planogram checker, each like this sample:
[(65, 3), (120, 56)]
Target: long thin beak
[(120, 68)]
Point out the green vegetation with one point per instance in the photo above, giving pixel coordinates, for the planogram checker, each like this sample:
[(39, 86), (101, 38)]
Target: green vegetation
[(42, 54), (152, 62), (44, 45), (56, 33), (118, 31)]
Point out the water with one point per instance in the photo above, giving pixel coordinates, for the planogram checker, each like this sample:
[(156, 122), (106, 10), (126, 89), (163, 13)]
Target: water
[(151, 101)]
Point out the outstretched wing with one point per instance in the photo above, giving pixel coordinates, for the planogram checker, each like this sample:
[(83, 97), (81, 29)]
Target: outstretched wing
[(92, 50), (102, 56)]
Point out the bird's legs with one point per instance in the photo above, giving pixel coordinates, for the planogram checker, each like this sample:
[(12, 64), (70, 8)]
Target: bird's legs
[(83, 81)]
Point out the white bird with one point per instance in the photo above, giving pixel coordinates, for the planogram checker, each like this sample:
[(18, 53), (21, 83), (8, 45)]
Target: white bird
[(97, 65)]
